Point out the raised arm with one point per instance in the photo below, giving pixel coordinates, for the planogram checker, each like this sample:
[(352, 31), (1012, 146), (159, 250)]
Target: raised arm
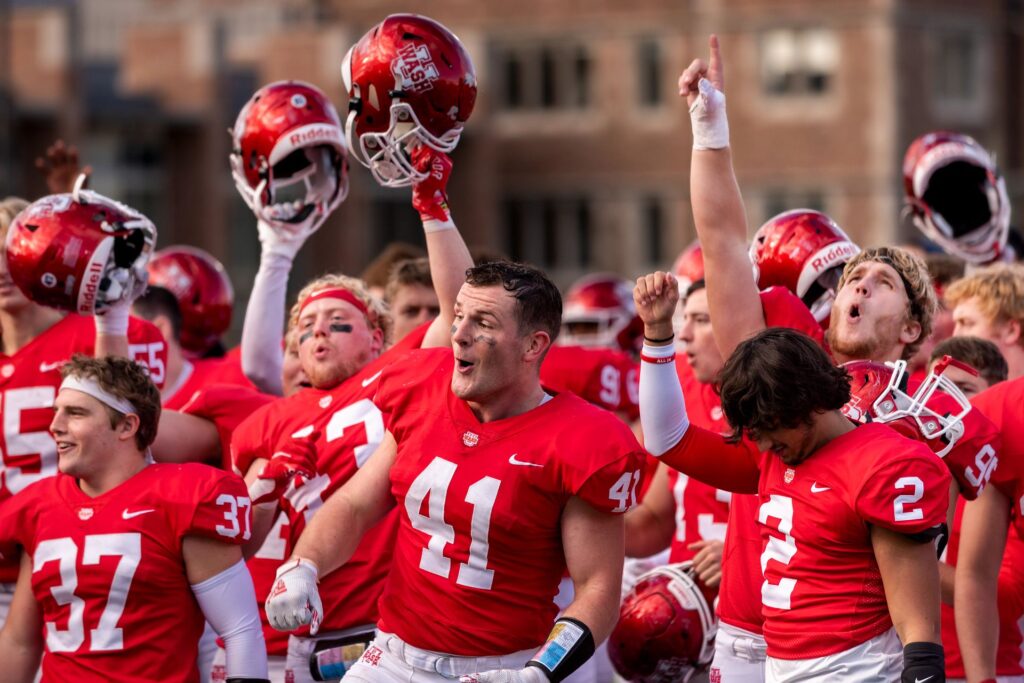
[(21, 642), (718, 211)]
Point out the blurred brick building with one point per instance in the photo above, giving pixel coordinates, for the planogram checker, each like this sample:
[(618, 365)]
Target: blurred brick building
[(577, 155)]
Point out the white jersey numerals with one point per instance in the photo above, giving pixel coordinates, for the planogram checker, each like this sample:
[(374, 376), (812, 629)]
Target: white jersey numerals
[(985, 462), (434, 481), (623, 491), (233, 507), (107, 635), (611, 386), (148, 356), (778, 509), (707, 528), (18, 445), (900, 512)]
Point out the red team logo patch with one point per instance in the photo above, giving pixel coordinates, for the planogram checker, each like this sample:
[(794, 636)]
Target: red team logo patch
[(372, 656), (413, 68), (85, 514), (790, 474), (470, 439)]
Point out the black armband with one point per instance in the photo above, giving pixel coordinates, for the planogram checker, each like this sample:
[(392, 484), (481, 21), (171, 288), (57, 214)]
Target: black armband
[(569, 645), (236, 679), (923, 662)]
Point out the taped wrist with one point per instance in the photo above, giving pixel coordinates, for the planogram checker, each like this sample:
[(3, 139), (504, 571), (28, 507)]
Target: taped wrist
[(569, 645), (923, 662), (708, 119), (113, 322)]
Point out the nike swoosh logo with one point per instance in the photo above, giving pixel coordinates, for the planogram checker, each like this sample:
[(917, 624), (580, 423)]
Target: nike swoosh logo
[(513, 461), (922, 680), (129, 515), (371, 379), (49, 367), (819, 489)]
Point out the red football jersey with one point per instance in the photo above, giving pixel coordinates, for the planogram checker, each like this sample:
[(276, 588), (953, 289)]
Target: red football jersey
[(351, 427), (108, 571), (203, 373), (1009, 653), (1001, 404), (605, 377), (29, 381), (702, 511), (783, 308), (480, 541)]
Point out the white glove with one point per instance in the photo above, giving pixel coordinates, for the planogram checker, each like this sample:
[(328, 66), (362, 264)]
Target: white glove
[(112, 321), (294, 600), (280, 240), (708, 118), (528, 674)]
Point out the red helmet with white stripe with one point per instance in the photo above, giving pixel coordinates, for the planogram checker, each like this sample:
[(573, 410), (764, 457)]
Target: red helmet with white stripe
[(79, 252), (804, 251), (689, 266), (289, 159), (599, 312), (410, 82), (956, 195), (203, 290), (666, 628)]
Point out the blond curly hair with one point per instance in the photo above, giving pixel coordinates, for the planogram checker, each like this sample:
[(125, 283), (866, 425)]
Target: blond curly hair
[(378, 318), (999, 289)]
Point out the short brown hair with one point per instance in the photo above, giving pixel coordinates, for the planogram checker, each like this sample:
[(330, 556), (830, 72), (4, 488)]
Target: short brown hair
[(378, 271), (917, 282), (761, 392), (999, 289), (538, 301), (414, 271), (378, 316), (127, 380), (980, 354)]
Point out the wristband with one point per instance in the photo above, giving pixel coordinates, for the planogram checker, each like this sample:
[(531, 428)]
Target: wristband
[(656, 360), (433, 225), (923, 662), (569, 645), (659, 341)]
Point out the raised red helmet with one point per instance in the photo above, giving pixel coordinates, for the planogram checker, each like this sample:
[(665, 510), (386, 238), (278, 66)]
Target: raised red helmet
[(956, 195), (689, 266), (289, 159), (410, 82), (804, 251), (666, 628), (79, 252), (933, 414), (599, 312), (203, 290)]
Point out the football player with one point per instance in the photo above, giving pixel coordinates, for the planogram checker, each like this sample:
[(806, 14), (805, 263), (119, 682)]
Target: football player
[(37, 338), (498, 486), (410, 296), (124, 559), (821, 481), (989, 303)]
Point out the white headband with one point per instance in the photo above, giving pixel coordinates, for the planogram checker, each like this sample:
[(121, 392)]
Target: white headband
[(88, 385)]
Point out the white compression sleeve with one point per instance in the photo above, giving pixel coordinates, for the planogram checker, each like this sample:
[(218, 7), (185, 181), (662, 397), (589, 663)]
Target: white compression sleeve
[(262, 356), (662, 409), (228, 601)]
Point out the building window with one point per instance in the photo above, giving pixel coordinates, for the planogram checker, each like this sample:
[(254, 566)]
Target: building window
[(957, 66), (649, 73), (543, 76), (549, 232), (393, 220), (653, 221), (798, 62)]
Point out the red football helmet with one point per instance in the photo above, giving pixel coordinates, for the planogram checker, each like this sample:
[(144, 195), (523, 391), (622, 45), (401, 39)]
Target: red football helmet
[(876, 396), (409, 82), (289, 159), (203, 290), (804, 251), (79, 252), (689, 267), (666, 628), (956, 195), (599, 312)]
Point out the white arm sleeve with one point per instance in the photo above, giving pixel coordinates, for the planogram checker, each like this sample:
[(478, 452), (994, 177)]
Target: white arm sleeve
[(662, 409), (228, 601), (262, 356)]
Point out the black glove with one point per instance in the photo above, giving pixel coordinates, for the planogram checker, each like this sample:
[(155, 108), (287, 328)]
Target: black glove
[(923, 663)]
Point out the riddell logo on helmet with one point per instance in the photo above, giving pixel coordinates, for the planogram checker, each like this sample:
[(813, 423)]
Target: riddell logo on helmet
[(414, 69), (90, 284), (308, 135), (840, 252)]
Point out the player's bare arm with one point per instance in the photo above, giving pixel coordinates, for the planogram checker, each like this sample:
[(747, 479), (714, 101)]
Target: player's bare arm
[(718, 211), (911, 578), (595, 567), (982, 540), (650, 525), (186, 438), (263, 514), (21, 643)]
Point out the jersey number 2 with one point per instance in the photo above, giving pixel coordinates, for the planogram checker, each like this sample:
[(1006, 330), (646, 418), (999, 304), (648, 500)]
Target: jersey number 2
[(434, 481)]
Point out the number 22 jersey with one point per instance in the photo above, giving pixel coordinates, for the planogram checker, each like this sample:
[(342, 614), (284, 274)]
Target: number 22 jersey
[(479, 556)]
